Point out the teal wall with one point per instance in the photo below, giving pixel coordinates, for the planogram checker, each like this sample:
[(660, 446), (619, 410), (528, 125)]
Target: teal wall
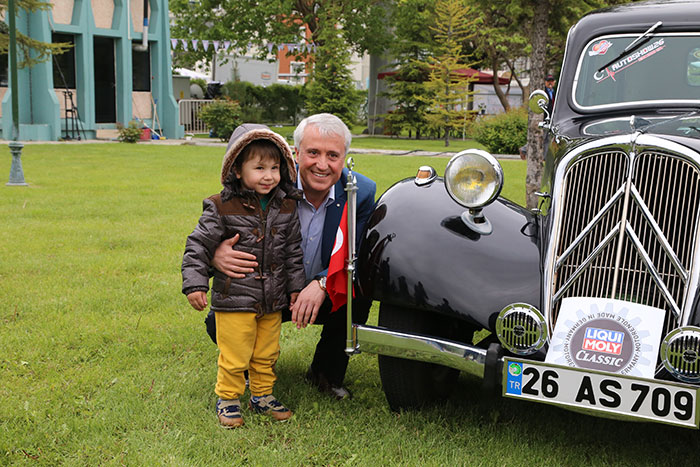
[(39, 110)]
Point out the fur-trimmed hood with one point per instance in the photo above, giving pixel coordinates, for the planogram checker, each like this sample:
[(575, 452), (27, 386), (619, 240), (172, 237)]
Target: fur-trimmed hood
[(244, 135)]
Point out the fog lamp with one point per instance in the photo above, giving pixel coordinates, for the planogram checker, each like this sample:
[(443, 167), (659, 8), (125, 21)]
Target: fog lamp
[(521, 328), (680, 353), (473, 178)]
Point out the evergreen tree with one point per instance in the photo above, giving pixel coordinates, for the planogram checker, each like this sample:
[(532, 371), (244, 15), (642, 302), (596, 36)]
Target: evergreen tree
[(30, 51), (410, 49), (331, 88), (449, 89)]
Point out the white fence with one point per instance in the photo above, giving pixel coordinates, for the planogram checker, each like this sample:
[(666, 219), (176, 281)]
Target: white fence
[(189, 115)]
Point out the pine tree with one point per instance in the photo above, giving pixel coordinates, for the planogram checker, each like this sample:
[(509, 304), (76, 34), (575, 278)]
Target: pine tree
[(449, 89), (406, 87), (30, 51), (331, 88)]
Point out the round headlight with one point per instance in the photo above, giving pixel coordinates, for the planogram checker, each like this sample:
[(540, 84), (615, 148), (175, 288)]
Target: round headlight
[(473, 178)]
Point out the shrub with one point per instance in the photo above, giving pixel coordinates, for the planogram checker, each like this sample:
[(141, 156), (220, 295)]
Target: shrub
[(222, 117), (130, 133), (277, 103), (503, 133)]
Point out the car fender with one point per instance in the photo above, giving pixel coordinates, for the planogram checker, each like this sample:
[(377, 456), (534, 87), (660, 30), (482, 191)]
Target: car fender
[(418, 253)]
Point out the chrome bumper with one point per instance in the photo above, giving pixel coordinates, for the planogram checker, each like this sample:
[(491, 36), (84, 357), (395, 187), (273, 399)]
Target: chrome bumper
[(383, 341)]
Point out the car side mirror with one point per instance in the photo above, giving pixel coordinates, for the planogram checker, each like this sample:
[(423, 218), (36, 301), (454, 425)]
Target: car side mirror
[(538, 102)]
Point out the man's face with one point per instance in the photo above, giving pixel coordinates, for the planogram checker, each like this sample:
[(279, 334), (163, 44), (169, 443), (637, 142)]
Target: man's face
[(320, 160), (549, 83)]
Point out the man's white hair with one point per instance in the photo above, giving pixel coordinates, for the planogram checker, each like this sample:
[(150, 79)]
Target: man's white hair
[(327, 124)]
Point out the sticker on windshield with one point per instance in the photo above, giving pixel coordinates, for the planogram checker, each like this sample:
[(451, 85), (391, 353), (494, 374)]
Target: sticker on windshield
[(694, 67), (599, 48), (629, 60)]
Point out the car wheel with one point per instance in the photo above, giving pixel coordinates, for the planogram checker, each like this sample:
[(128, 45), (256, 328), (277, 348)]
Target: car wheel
[(409, 383)]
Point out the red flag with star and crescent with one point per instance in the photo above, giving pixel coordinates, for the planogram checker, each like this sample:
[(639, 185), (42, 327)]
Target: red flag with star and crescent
[(337, 281)]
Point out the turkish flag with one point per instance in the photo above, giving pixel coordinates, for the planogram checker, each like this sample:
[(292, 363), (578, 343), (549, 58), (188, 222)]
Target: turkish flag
[(337, 281)]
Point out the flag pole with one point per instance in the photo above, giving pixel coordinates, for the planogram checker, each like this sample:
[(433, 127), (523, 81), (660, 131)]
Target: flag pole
[(351, 189)]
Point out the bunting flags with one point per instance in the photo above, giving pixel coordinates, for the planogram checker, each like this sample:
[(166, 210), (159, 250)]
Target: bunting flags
[(224, 46)]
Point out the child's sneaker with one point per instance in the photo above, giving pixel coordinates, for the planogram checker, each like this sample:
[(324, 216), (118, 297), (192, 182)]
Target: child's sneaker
[(229, 413), (271, 406)]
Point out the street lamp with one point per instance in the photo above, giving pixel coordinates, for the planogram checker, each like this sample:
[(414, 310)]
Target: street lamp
[(16, 174)]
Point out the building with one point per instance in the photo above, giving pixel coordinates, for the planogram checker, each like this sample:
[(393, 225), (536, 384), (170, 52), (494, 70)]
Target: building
[(285, 69), (110, 76)]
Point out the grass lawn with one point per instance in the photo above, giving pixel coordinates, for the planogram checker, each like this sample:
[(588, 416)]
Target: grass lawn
[(405, 144), (402, 144), (103, 362)]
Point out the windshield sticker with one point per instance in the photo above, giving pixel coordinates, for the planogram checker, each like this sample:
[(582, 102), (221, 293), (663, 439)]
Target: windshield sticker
[(628, 61), (599, 48), (694, 67)]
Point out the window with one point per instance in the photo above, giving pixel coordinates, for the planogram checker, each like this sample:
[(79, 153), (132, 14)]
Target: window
[(141, 69), (666, 67), (4, 71), (64, 64)]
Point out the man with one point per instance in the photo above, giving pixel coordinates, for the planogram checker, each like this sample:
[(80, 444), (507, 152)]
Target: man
[(549, 83), (321, 142)]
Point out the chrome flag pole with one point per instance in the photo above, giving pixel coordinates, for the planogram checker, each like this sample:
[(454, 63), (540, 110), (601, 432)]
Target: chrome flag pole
[(351, 189)]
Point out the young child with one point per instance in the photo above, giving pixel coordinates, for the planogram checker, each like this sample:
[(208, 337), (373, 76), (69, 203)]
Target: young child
[(258, 203)]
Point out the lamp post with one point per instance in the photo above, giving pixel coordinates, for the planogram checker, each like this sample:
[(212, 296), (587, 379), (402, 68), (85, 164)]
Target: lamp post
[(16, 174)]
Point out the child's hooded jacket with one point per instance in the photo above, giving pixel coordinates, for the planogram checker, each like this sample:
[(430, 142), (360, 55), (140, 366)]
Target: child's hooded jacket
[(273, 236)]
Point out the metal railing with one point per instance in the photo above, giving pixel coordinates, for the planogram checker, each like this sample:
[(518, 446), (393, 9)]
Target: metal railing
[(189, 115)]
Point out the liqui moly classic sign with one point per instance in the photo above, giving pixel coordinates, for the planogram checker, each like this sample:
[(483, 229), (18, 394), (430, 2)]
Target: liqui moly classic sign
[(607, 335)]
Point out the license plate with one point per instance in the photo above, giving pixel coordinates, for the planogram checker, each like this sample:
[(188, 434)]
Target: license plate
[(620, 396)]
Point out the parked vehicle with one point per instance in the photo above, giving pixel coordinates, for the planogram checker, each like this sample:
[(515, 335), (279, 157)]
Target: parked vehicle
[(591, 301)]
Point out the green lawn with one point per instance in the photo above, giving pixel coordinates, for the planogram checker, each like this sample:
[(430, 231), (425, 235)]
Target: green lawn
[(405, 144), (103, 362), (401, 144)]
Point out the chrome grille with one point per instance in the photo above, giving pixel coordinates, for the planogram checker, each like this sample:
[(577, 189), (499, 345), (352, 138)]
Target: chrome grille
[(627, 229), (521, 331), (683, 355)]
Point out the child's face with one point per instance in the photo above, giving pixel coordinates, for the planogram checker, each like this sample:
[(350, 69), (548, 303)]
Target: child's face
[(261, 175)]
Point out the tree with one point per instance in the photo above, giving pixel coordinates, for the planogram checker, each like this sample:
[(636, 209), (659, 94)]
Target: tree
[(257, 23), (410, 50), (550, 19), (30, 50), (449, 90), (500, 39), (331, 88)]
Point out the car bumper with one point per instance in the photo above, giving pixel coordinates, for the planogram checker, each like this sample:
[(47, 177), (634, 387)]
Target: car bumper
[(467, 358), (592, 392)]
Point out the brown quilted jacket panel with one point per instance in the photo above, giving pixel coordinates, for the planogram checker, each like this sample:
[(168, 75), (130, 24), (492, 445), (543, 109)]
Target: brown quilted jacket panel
[(273, 236)]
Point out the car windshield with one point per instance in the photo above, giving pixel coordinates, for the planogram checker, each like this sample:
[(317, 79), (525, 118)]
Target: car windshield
[(664, 68)]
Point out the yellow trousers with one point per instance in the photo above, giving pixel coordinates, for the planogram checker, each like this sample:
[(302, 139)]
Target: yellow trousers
[(247, 342)]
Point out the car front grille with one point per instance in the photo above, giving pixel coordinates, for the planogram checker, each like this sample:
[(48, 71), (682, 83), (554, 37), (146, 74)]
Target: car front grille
[(627, 230)]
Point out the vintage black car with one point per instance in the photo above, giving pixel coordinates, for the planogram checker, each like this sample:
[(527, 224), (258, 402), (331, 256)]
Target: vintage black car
[(589, 302)]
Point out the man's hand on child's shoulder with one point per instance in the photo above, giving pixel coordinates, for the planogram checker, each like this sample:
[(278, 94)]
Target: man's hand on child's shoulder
[(198, 300)]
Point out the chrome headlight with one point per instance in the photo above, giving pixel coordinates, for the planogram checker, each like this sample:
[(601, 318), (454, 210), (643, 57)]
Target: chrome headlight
[(473, 178), (680, 353)]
